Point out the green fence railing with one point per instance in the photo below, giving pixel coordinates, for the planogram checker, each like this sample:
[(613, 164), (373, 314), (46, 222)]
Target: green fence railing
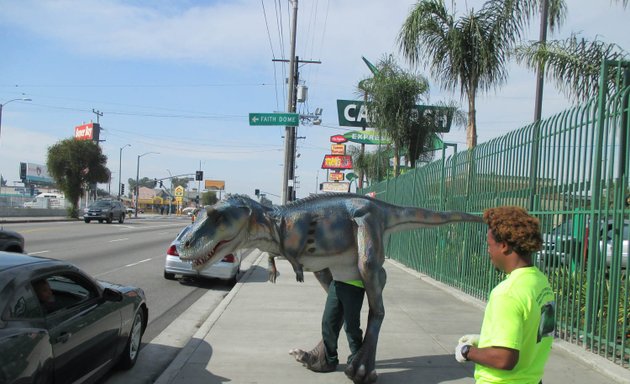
[(577, 186)]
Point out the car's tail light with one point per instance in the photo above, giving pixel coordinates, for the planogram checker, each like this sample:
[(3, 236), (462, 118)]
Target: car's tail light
[(229, 258), (172, 251)]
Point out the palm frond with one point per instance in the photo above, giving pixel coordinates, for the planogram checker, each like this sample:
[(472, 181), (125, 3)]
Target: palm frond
[(573, 64)]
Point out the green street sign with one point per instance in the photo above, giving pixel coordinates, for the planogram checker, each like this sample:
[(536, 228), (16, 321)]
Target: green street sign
[(366, 137), (288, 119)]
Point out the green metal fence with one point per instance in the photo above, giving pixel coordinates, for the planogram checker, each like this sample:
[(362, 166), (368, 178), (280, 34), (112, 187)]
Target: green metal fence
[(571, 171)]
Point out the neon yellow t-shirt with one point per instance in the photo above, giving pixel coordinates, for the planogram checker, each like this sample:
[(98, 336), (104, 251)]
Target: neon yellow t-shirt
[(520, 315)]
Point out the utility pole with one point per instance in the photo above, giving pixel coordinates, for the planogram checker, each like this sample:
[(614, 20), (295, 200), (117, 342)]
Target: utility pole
[(97, 113), (289, 132)]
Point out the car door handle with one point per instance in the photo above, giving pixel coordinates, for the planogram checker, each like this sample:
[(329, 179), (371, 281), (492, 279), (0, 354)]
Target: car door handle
[(64, 337)]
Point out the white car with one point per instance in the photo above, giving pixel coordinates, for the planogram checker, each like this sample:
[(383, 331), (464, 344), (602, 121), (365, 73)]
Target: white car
[(227, 269)]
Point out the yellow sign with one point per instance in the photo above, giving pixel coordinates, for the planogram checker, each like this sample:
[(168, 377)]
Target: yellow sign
[(179, 191), (335, 176), (215, 184), (179, 199), (338, 149)]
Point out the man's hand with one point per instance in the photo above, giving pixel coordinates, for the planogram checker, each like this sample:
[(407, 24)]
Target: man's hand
[(458, 353), (470, 340)]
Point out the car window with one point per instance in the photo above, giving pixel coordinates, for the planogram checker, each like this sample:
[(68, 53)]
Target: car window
[(23, 305), (64, 291)]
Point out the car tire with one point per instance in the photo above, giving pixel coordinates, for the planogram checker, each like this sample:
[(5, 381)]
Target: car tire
[(121, 219), (132, 348), (110, 218), (87, 221), (169, 276)]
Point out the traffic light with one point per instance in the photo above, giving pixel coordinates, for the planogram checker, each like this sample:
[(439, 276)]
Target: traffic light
[(197, 199), (154, 183), (160, 183), (257, 192), (122, 189), (198, 175)]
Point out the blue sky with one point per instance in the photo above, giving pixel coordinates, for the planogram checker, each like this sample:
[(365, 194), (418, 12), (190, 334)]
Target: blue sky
[(181, 77)]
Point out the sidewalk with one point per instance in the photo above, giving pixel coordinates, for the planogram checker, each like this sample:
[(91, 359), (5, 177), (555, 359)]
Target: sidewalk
[(248, 336)]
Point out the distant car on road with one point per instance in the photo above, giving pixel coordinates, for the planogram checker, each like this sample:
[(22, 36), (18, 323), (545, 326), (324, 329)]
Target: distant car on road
[(130, 210), (59, 325), (190, 211), (226, 269), (11, 241), (105, 210)]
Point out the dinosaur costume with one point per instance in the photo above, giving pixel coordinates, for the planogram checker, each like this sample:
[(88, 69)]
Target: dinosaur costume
[(340, 236)]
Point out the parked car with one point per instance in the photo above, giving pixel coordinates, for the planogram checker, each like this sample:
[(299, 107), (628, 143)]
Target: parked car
[(560, 245), (87, 327), (11, 241), (608, 247), (105, 210), (130, 210), (226, 269)]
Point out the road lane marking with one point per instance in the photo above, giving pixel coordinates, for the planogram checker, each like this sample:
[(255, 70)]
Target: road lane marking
[(121, 268), (115, 240), (138, 262), (37, 253)]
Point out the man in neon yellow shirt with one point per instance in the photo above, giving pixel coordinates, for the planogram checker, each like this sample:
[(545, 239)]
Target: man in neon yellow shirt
[(517, 330)]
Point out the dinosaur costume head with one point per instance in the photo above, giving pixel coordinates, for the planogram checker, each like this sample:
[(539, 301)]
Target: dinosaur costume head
[(218, 232)]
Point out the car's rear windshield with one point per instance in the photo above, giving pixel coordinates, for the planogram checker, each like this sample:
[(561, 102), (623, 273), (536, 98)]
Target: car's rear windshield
[(99, 204)]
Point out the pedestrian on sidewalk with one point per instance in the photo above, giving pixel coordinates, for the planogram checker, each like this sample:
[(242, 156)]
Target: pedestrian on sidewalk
[(519, 320)]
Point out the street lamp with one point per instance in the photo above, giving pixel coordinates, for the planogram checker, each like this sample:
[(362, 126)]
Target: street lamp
[(7, 102), (137, 180), (119, 168)]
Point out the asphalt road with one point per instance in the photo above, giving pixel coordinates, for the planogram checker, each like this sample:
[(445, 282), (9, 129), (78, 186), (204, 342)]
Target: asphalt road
[(132, 253)]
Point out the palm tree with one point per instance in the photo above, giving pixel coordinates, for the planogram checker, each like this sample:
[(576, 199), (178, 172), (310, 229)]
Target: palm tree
[(574, 64), (470, 52), (392, 95)]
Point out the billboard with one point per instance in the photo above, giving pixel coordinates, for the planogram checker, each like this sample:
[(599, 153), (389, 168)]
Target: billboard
[(89, 131), (32, 173), (215, 184)]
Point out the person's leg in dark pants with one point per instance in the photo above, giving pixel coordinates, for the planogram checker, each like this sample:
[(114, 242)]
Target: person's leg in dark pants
[(332, 320), (351, 298)]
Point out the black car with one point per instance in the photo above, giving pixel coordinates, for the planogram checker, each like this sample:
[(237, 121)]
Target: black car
[(59, 325), (105, 210), (11, 241)]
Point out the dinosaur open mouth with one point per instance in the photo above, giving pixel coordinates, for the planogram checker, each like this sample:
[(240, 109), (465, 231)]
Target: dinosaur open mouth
[(206, 258)]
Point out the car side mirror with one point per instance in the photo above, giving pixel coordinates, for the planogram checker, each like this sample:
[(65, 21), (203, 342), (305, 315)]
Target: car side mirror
[(112, 295)]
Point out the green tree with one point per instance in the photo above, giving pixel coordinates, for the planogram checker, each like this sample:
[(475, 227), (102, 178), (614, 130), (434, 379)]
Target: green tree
[(75, 164), (471, 52), (392, 94), (372, 165), (574, 64), (209, 198)]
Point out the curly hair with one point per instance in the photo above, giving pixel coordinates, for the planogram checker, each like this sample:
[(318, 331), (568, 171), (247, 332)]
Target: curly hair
[(516, 227)]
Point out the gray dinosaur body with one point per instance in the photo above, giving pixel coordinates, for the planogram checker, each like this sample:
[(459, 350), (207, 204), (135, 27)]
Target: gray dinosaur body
[(336, 236)]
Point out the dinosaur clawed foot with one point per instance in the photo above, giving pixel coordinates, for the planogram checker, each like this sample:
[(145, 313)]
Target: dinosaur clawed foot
[(358, 370), (315, 360)]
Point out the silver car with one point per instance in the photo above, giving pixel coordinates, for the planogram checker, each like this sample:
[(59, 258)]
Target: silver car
[(227, 269), (609, 249)]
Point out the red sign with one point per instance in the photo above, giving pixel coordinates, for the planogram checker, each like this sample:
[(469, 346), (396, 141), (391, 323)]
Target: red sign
[(84, 132), (337, 162), (338, 139)]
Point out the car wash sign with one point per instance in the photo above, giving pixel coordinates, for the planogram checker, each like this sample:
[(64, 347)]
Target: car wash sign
[(353, 113)]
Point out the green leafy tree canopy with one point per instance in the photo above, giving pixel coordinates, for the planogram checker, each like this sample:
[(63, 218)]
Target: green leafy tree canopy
[(75, 164)]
